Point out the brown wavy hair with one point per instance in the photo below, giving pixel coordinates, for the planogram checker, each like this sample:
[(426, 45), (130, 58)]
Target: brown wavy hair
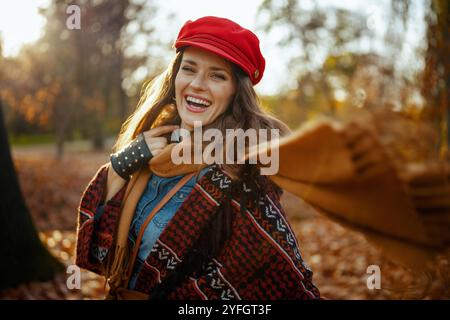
[(156, 107)]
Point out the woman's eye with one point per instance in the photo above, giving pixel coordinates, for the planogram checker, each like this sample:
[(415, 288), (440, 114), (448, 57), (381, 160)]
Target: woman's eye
[(219, 76), (187, 69)]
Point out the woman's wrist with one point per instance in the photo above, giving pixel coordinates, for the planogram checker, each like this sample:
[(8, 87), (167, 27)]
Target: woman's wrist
[(131, 158)]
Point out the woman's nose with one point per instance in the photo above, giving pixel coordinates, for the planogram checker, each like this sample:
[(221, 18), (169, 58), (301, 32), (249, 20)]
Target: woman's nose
[(198, 83)]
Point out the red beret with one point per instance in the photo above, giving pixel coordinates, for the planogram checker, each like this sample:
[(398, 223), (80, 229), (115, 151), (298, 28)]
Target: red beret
[(226, 39)]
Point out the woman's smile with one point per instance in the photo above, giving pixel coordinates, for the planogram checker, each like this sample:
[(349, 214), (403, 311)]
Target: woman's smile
[(196, 104)]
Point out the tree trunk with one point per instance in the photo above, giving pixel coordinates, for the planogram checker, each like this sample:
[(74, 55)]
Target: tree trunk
[(23, 257), (436, 84), (123, 107)]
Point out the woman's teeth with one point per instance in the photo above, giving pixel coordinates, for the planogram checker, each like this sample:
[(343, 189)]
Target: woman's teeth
[(198, 102), (196, 105)]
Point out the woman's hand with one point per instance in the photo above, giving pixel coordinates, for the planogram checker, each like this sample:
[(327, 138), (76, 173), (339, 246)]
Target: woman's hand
[(154, 139), (155, 143)]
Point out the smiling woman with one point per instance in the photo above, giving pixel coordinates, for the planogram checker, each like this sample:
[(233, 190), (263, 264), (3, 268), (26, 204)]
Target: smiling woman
[(225, 234)]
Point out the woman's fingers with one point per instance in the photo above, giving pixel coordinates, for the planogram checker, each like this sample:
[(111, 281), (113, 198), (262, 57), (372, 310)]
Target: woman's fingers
[(428, 175), (366, 152), (365, 143), (351, 132), (371, 164), (159, 140), (157, 144), (154, 140), (430, 190)]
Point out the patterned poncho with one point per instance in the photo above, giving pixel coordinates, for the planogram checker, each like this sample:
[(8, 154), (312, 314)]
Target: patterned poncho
[(261, 259)]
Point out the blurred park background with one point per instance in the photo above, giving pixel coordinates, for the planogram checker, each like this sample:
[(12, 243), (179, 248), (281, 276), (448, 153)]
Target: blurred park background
[(65, 93)]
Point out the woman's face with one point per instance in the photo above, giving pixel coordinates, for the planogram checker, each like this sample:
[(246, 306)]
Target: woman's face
[(204, 87)]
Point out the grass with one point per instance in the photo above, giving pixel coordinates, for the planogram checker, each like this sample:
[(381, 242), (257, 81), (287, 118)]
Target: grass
[(31, 139)]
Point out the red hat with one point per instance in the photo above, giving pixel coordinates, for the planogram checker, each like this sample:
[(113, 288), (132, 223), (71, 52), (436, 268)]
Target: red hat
[(226, 39)]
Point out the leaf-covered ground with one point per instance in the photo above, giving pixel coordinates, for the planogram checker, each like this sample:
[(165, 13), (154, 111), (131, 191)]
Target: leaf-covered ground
[(338, 257)]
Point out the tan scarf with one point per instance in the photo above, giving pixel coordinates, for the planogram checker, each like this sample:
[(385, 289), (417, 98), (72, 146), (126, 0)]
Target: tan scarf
[(317, 163), (118, 265), (345, 173)]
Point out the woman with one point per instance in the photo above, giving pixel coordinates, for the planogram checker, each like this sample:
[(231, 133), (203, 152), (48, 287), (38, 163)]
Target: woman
[(156, 229)]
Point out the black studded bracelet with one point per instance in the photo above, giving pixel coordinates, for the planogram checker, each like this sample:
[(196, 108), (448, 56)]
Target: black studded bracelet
[(131, 158)]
